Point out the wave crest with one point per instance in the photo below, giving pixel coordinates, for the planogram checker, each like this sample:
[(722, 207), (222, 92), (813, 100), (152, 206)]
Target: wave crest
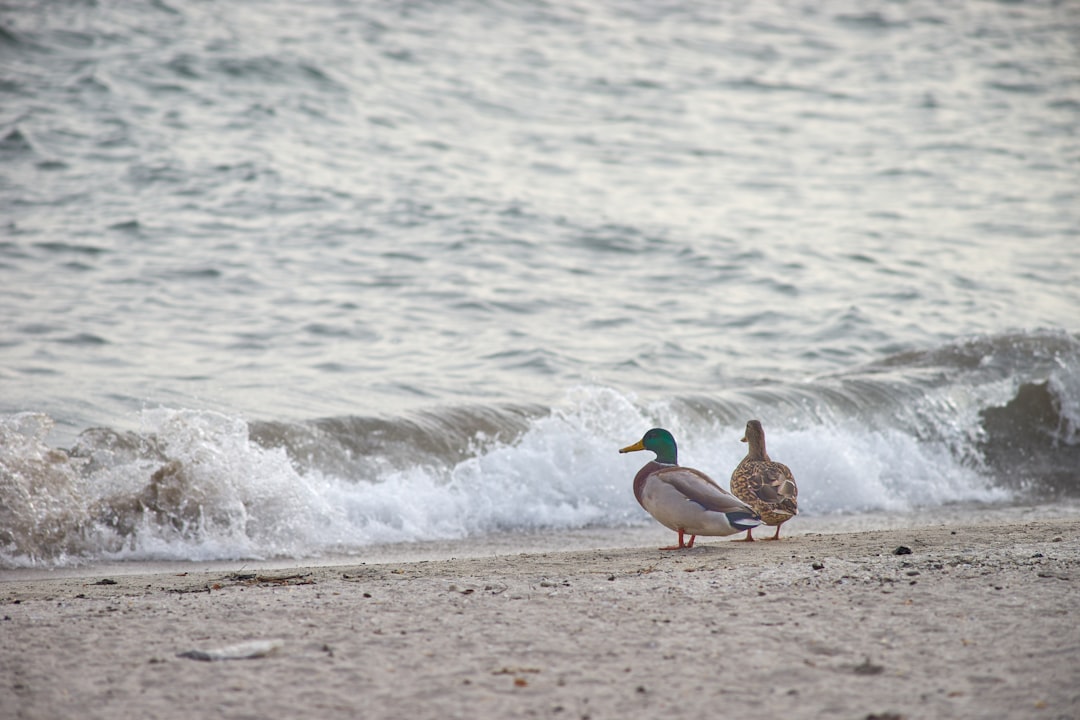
[(983, 420)]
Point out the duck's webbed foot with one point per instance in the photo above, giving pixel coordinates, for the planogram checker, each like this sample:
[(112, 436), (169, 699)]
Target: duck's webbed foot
[(682, 545)]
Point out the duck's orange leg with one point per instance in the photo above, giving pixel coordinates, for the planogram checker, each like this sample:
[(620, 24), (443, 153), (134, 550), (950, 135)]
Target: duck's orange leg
[(682, 545), (749, 535), (777, 535)]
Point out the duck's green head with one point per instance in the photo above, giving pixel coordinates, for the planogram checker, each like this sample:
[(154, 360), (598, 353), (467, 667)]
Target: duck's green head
[(660, 442)]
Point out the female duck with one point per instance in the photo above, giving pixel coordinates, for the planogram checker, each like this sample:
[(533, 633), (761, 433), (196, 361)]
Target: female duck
[(767, 486), (684, 499)]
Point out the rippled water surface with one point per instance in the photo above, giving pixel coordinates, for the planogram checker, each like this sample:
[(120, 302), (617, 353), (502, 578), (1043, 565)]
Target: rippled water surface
[(409, 232)]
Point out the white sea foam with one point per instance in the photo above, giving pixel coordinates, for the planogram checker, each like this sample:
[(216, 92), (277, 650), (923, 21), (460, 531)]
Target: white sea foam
[(223, 496)]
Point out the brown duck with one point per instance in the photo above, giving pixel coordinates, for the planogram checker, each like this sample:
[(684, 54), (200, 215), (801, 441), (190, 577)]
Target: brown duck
[(767, 486)]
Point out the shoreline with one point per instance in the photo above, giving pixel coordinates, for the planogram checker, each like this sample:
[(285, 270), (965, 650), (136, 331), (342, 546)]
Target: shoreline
[(977, 621), (549, 540)]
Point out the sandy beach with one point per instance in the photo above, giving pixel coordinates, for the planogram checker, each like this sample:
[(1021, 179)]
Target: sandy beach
[(976, 621)]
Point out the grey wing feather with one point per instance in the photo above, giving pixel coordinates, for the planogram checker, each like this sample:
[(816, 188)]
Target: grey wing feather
[(700, 488)]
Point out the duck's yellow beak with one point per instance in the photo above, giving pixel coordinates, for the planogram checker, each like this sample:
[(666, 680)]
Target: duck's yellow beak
[(639, 445), (743, 439)]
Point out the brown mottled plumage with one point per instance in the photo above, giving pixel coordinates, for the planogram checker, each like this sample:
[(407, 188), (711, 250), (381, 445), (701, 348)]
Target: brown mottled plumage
[(767, 486)]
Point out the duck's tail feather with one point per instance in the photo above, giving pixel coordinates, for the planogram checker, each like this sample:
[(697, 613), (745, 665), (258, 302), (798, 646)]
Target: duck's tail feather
[(743, 520)]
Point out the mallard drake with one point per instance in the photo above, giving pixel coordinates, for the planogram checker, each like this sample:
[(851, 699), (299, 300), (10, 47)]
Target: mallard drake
[(684, 499), (767, 486)]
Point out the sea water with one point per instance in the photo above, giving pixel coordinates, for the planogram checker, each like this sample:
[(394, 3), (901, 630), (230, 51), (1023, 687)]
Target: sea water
[(286, 280)]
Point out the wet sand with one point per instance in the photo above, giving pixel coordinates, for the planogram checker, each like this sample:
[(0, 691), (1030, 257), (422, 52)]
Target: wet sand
[(978, 621)]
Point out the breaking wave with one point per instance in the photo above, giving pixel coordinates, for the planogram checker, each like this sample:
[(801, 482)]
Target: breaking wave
[(986, 420)]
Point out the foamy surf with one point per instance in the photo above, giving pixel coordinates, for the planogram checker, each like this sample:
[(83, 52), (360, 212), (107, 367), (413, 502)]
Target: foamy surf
[(199, 485)]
